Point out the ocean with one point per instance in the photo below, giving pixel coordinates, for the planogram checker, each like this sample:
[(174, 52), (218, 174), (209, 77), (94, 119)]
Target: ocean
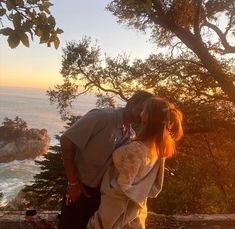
[(33, 106)]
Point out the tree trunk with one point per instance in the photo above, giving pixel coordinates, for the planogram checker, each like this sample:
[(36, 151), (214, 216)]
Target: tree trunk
[(209, 62)]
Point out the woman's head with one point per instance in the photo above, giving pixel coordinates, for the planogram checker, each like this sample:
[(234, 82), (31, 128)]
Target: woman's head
[(162, 123)]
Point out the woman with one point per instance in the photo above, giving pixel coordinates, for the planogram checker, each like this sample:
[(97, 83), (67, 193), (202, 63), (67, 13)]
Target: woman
[(138, 169)]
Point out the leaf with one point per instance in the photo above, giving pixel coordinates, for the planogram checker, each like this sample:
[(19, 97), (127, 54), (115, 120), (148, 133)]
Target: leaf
[(27, 11), (24, 38), (45, 6), (34, 12), (31, 2), (6, 31), (148, 6), (43, 17), (38, 32), (56, 42), (13, 40), (2, 12), (44, 38), (51, 21), (59, 31), (20, 3), (26, 26), (10, 4), (17, 20)]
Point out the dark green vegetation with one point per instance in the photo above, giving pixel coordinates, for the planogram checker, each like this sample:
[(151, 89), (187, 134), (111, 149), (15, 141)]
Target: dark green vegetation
[(197, 75), (28, 18), (50, 184), (199, 36), (203, 28), (198, 179), (12, 129)]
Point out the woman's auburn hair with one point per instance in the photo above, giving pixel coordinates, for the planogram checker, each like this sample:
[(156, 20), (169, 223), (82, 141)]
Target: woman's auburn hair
[(163, 124)]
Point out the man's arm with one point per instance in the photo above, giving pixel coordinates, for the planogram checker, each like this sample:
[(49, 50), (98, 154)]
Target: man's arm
[(75, 188), (68, 154)]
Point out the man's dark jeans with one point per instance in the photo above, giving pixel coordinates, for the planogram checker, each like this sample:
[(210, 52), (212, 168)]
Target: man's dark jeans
[(77, 214)]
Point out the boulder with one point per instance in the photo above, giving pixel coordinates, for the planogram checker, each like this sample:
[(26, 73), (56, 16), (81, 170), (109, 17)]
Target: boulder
[(26, 145)]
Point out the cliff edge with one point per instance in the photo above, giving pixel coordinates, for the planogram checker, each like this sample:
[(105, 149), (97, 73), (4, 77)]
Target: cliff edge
[(17, 142)]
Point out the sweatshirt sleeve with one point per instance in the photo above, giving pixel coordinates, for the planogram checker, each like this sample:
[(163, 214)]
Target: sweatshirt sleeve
[(128, 161)]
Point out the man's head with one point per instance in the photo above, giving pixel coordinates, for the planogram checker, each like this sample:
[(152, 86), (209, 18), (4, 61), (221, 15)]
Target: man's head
[(135, 106)]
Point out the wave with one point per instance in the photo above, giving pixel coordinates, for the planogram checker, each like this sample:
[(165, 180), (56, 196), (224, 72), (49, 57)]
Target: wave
[(33, 106), (14, 176)]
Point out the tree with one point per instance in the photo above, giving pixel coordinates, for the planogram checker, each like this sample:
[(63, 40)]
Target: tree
[(198, 24), (199, 179), (180, 79), (12, 129), (184, 77), (207, 149), (49, 186), (28, 17)]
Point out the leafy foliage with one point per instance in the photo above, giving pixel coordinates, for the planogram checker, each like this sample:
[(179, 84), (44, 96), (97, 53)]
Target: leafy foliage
[(199, 179), (12, 129), (29, 18), (49, 186), (206, 27), (181, 79), (191, 185), (196, 75)]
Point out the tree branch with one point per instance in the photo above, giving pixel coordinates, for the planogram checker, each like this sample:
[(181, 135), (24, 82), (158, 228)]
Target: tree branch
[(99, 85), (196, 26), (228, 48), (230, 23)]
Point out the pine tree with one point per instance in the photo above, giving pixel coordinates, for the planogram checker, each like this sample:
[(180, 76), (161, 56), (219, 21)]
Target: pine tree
[(50, 184)]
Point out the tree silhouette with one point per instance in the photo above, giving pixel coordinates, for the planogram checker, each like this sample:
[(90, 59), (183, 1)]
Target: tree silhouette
[(205, 27)]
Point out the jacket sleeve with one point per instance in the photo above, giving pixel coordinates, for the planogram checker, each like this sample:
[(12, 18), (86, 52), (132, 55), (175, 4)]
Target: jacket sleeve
[(129, 167)]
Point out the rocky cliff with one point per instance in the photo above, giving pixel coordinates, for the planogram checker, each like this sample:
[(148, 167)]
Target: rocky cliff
[(26, 144)]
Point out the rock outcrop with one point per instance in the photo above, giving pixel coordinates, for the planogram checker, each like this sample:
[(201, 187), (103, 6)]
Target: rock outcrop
[(27, 144)]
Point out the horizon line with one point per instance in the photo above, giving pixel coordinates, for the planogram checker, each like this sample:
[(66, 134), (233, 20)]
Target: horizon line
[(25, 87)]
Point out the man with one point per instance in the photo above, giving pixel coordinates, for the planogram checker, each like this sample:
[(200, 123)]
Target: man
[(87, 147)]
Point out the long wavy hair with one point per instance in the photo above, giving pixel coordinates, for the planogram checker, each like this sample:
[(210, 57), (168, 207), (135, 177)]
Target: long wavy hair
[(162, 123)]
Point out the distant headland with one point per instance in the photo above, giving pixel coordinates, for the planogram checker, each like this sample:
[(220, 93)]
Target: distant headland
[(18, 142)]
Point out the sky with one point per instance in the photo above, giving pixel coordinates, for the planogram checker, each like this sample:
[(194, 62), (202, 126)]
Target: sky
[(38, 66)]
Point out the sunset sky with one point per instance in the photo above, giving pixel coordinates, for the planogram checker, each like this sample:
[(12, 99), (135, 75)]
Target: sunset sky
[(38, 66)]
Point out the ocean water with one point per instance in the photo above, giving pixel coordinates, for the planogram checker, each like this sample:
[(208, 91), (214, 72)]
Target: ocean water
[(33, 106)]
